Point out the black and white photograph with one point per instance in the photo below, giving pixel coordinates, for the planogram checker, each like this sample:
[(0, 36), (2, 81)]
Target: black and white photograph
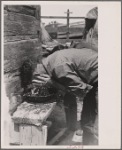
[(50, 75)]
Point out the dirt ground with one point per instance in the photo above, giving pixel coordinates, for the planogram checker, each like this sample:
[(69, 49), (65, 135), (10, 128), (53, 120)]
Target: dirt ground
[(58, 119)]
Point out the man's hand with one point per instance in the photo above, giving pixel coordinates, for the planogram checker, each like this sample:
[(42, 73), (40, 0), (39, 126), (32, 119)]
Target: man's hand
[(41, 79)]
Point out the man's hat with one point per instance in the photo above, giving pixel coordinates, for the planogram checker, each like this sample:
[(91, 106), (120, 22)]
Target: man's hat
[(92, 14), (91, 21)]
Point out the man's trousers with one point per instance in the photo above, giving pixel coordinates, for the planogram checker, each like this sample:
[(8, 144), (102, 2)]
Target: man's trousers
[(89, 116)]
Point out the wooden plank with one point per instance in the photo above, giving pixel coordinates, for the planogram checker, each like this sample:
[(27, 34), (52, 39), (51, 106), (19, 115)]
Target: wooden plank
[(14, 63), (55, 138), (19, 38), (25, 134), (35, 113), (13, 86), (32, 135), (12, 82), (19, 47), (14, 133), (9, 76), (20, 28), (44, 133), (22, 9), (60, 17), (15, 53), (18, 17), (37, 136)]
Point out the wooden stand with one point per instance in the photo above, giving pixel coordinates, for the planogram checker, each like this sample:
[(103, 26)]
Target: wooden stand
[(26, 133), (33, 135), (23, 134)]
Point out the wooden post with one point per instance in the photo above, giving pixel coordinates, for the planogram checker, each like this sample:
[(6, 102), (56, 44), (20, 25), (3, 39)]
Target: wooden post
[(68, 24), (62, 17), (68, 12), (40, 26)]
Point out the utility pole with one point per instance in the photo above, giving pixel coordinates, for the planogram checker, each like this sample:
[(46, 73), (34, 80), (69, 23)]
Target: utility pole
[(68, 13), (63, 17)]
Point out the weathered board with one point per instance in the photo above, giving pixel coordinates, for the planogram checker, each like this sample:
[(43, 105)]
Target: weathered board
[(32, 135), (13, 86), (18, 17), (21, 41), (29, 122), (21, 9), (14, 133), (16, 52), (33, 113), (25, 135), (20, 28), (19, 38)]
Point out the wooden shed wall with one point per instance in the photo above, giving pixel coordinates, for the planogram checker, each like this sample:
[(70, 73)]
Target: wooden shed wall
[(21, 41)]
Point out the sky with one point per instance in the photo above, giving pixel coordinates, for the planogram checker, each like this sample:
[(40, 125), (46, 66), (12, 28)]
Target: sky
[(59, 8)]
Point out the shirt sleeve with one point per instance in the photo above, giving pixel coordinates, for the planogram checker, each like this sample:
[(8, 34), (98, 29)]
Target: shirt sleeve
[(84, 44), (40, 76), (66, 75)]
